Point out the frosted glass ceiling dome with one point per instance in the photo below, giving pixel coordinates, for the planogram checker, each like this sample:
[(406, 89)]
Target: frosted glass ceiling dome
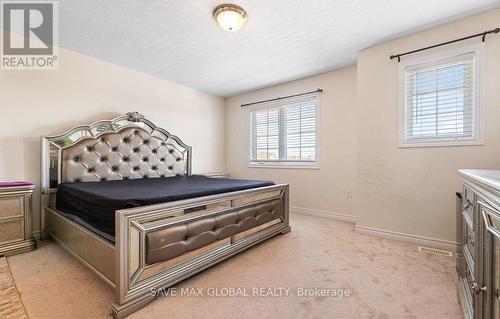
[(230, 17)]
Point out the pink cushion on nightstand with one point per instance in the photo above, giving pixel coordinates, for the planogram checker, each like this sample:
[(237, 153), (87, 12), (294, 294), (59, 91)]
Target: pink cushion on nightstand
[(13, 184)]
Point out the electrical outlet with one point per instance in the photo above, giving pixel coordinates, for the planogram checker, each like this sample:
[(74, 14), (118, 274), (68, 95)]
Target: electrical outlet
[(348, 195)]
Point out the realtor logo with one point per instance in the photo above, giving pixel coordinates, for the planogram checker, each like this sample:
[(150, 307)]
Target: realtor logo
[(29, 37)]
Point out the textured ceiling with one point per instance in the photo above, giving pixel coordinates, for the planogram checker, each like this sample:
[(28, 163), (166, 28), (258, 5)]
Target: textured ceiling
[(283, 40)]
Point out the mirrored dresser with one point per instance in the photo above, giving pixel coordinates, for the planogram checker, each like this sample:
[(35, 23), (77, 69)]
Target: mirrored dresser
[(16, 232), (479, 264)]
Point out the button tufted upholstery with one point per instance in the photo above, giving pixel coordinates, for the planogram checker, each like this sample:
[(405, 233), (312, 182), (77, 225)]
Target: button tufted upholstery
[(176, 240), (129, 153)]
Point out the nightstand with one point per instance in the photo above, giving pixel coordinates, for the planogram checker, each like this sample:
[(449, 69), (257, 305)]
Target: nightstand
[(16, 216)]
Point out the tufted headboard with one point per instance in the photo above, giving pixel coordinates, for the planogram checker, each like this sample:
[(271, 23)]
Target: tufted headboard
[(126, 147)]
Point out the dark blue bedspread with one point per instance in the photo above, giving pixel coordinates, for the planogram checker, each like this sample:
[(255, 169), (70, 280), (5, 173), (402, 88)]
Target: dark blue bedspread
[(96, 202)]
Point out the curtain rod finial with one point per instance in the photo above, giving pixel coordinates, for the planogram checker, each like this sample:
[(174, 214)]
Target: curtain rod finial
[(395, 56)]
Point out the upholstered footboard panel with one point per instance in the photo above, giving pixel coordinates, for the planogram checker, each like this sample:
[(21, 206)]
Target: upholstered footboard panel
[(175, 241), (160, 245)]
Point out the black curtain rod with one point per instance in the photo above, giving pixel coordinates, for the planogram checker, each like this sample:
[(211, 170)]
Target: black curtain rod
[(482, 34), (282, 97)]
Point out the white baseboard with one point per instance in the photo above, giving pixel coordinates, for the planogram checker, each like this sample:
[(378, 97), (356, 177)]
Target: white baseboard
[(320, 213), (408, 238)]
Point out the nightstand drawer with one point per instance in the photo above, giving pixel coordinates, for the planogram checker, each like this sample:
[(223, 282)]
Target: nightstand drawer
[(16, 218), (11, 207), (13, 230)]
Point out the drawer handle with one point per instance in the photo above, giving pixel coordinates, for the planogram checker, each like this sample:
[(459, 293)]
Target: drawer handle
[(468, 238), (475, 287), (467, 204)]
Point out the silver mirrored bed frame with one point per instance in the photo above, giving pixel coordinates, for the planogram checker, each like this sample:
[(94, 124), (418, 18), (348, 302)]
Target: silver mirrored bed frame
[(144, 257)]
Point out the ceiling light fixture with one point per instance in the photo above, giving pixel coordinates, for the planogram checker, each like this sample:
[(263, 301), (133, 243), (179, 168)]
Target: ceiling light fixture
[(230, 17)]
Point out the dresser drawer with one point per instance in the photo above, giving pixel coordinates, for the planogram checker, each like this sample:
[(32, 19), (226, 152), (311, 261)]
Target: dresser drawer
[(469, 259), (468, 206), (11, 207), (469, 294), (13, 230), (469, 195), (469, 238)]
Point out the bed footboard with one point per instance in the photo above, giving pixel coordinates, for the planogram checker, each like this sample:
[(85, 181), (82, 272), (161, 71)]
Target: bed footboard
[(160, 245)]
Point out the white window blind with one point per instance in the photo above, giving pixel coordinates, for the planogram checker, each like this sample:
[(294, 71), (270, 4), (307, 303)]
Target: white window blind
[(284, 132), (440, 100)]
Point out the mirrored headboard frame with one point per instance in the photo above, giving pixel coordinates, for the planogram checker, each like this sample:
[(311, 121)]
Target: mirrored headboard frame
[(52, 146)]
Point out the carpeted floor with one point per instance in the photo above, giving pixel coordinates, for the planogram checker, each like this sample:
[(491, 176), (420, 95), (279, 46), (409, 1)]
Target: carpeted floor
[(384, 279)]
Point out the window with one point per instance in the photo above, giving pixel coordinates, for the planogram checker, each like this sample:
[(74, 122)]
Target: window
[(440, 101), (284, 133)]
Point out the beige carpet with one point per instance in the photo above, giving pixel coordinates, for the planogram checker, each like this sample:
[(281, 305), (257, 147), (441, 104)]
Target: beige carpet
[(386, 279), (11, 306)]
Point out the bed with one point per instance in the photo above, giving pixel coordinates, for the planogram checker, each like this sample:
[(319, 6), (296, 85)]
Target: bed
[(120, 196)]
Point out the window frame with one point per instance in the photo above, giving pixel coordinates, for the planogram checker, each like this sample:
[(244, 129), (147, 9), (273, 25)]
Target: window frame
[(478, 104), (283, 163)]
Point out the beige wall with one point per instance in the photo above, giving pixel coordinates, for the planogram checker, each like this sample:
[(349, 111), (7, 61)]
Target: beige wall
[(408, 190), (325, 189), (82, 90), (412, 190)]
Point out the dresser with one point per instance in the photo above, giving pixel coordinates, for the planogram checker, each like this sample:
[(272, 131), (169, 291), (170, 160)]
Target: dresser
[(16, 232), (478, 265)]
